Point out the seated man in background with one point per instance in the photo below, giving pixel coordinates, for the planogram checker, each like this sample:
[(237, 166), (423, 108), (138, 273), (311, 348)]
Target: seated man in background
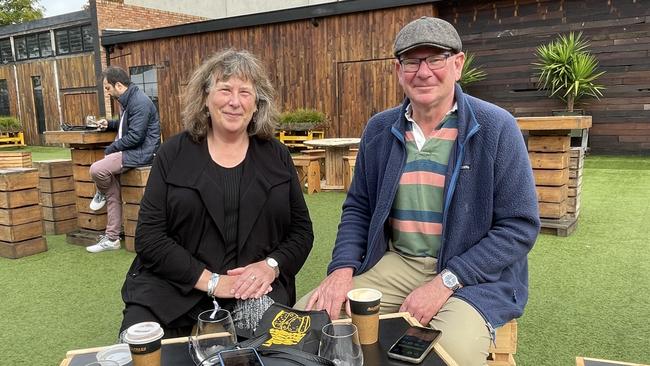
[(138, 138)]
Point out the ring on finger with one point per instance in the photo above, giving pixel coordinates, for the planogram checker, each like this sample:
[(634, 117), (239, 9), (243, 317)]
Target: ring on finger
[(253, 277)]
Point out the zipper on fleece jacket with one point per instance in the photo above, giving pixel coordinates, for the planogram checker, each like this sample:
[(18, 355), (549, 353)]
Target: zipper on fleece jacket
[(393, 191)]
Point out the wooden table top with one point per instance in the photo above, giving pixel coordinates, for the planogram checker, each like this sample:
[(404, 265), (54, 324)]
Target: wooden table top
[(334, 142), (79, 137), (183, 340)]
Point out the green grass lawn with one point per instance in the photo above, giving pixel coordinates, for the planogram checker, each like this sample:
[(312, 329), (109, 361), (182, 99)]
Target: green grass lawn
[(589, 293)]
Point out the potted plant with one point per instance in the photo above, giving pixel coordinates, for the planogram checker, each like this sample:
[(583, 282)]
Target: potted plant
[(10, 124), (567, 70), (302, 120), (470, 73), (299, 125), (11, 131)]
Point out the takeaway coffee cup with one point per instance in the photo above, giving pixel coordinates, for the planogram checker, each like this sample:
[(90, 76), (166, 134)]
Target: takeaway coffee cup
[(364, 305), (144, 343)]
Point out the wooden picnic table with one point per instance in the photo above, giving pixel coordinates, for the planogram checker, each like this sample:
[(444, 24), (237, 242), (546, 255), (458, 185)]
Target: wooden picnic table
[(335, 150)]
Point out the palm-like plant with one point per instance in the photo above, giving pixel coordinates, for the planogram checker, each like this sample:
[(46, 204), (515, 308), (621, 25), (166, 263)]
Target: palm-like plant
[(470, 73), (567, 70)]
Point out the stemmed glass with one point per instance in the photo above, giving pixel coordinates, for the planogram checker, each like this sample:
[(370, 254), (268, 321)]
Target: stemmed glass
[(215, 331), (340, 344), (91, 121)]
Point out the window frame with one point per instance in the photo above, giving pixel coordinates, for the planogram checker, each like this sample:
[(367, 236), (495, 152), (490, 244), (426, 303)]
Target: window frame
[(87, 44), (6, 90), (23, 40), (3, 60)]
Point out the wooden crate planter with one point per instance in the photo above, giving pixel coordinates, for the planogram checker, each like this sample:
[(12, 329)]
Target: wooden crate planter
[(557, 168)]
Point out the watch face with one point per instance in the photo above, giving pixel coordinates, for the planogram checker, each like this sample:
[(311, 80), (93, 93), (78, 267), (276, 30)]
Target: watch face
[(272, 262), (449, 280)]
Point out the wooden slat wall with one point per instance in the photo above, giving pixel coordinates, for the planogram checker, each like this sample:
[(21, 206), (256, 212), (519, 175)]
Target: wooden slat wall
[(504, 34), (77, 71), (344, 62), (7, 73), (45, 70), (303, 61)]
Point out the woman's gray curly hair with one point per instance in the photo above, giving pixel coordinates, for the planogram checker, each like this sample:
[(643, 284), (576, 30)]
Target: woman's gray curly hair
[(220, 67)]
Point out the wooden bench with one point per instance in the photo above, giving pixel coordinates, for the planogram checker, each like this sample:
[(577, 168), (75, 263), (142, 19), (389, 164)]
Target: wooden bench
[(501, 353), (319, 153), (308, 168), (348, 170)]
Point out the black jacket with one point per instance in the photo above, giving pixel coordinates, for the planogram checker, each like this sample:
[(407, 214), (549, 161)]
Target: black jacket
[(141, 129), (181, 222)]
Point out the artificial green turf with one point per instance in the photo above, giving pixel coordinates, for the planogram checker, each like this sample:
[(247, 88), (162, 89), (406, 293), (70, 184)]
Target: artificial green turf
[(589, 292)]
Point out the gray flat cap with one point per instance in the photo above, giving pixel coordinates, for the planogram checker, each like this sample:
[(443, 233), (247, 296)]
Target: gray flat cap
[(427, 31)]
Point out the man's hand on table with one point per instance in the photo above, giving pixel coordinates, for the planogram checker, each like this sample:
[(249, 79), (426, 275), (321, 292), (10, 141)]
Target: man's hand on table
[(102, 124), (332, 293), (424, 302)]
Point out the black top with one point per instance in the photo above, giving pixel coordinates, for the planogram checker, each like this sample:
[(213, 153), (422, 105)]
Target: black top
[(229, 179), (182, 225)]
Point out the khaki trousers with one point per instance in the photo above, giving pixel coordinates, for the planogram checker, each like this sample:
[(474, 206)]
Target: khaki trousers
[(106, 175), (465, 335)]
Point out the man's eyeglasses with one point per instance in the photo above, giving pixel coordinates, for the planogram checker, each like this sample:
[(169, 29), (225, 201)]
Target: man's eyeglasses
[(434, 62)]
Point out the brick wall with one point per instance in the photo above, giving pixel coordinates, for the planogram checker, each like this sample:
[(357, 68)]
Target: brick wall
[(114, 14)]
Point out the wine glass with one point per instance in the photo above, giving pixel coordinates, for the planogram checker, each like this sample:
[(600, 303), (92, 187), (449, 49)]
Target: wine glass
[(340, 344), (215, 331), (91, 121)]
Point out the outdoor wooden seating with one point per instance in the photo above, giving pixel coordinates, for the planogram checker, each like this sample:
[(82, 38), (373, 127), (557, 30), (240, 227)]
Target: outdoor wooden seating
[(308, 168), (321, 154), (133, 183), (57, 196), (15, 159), (348, 170), (21, 225), (505, 345)]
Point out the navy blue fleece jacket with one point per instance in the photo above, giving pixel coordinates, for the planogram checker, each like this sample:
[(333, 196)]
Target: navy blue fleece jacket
[(490, 219)]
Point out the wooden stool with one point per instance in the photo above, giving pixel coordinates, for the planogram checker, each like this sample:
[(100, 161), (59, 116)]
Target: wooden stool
[(348, 171), (353, 151), (501, 353), (133, 183), (321, 154), (308, 168)]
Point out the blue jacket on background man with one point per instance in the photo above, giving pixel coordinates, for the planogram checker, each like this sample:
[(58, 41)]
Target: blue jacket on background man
[(140, 130), (491, 215)]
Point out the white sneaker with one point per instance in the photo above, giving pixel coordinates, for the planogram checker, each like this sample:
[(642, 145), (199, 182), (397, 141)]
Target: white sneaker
[(103, 244), (98, 201)]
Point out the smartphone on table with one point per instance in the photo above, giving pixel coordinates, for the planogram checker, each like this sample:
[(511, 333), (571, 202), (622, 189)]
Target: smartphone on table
[(414, 345), (240, 357)]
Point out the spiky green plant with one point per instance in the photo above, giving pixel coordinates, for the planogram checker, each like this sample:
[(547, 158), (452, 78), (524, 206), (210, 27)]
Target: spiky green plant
[(568, 70), (470, 73)]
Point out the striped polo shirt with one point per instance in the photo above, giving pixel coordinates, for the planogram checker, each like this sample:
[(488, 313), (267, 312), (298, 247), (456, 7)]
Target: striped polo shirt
[(416, 215)]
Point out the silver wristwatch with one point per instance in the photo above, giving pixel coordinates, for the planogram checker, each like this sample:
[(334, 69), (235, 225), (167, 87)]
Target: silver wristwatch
[(450, 280), (273, 264)]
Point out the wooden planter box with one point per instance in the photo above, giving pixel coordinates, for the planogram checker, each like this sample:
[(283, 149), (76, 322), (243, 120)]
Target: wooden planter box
[(557, 168)]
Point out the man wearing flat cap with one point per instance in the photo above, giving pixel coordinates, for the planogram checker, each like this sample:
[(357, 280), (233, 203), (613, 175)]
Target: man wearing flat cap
[(442, 209)]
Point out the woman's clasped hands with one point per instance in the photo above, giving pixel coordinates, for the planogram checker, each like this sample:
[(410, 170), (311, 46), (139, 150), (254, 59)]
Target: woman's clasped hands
[(251, 281)]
